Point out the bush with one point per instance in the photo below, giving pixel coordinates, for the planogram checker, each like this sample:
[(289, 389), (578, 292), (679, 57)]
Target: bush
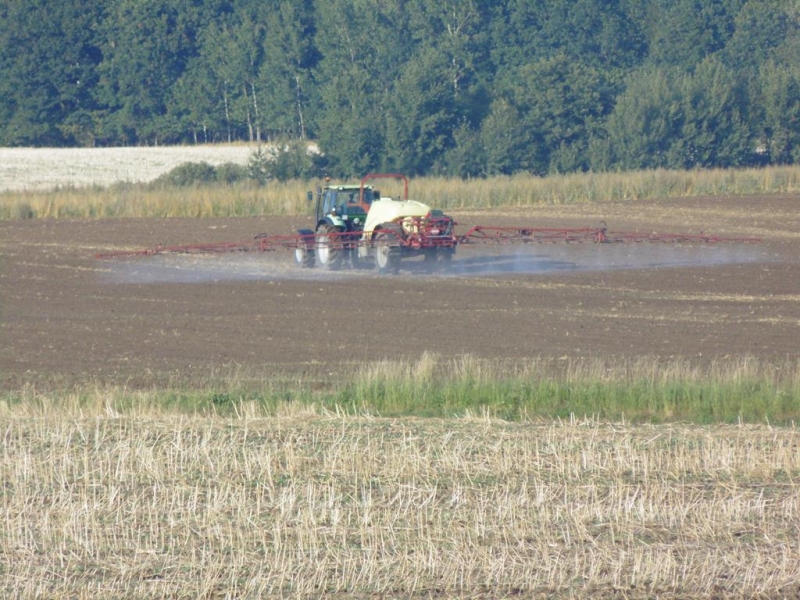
[(289, 161), (292, 161), (259, 166), (188, 174), (202, 173), (231, 173), (25, 211)]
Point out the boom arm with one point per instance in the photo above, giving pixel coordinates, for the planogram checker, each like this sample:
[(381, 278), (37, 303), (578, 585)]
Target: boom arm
[(476, 235)]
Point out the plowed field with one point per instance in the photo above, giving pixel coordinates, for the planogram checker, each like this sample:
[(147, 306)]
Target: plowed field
[(66, 316)]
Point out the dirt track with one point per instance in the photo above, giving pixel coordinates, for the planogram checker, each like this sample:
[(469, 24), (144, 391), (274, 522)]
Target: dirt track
[(65, 316)]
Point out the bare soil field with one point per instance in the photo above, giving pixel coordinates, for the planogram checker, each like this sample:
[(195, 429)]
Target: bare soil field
[(66, 316)]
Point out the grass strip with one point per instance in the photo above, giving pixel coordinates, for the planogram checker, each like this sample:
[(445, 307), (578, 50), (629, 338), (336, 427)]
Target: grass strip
[(742, 390)]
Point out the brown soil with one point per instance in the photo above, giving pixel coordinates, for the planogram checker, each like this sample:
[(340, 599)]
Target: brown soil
[(66, 316)]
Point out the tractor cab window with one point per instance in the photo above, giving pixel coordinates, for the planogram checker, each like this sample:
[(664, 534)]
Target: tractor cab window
[(344, 202), (328, 201)]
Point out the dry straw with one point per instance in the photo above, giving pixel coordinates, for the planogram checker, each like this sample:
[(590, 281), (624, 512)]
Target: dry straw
[(276, 198), (314, 504)]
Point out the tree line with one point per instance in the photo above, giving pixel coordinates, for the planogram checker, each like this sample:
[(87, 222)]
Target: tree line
[(451, 87)]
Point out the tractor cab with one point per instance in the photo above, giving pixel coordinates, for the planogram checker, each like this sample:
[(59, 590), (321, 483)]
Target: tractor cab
[(346, 200), (345, 206)]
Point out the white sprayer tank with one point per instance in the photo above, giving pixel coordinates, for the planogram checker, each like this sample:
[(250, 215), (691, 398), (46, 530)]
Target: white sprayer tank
[(387, 210)]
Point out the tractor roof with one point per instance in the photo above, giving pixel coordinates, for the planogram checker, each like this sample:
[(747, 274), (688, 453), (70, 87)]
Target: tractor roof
[(347, 186)]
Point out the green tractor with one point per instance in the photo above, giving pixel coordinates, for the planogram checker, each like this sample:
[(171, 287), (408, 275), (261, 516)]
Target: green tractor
[(340, 213), (356, 226)]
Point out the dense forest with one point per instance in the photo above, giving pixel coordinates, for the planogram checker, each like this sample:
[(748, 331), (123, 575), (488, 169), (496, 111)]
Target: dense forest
[(456, 87)]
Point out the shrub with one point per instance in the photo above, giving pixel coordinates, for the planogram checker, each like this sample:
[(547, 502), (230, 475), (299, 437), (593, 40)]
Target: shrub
[(231, 173), (188, 174), (292, 161), (289, 161), (25, 211), (259, 166)]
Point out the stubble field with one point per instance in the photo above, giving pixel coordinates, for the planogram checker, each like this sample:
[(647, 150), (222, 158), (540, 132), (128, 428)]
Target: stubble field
[(325, 506), (299, 501)]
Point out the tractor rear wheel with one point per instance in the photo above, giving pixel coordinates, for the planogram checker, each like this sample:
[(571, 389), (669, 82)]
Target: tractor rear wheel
[(445, 260), (304, 257), (329, 247), (438, 259), (387, 253), (431, 259)]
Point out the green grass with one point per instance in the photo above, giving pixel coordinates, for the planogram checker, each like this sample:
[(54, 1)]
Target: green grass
[(645, 390), (698, 402)]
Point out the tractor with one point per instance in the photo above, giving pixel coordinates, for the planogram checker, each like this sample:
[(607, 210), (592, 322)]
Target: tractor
[(356, 226)]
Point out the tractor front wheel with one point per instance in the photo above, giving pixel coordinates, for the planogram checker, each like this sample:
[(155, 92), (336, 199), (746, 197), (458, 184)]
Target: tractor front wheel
[(329, 247)]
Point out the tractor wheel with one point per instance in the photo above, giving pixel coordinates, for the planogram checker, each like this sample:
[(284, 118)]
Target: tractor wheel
[(304, 257), (329, 247), (431, 259), (387, 256), (445, 260), (438, 260)]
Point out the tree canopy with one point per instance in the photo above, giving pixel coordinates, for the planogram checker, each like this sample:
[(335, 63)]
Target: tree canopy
[(452, 87)]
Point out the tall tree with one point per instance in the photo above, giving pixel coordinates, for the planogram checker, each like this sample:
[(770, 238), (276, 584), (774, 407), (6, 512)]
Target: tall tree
[(761, 26), (467, 156), (148, 44), (715, 131), (672, 119), (198, 101), (507, 141), (561, 103), (595, 32), (684, 32), (49, 53), (646, 120), (458, 29), (370, 34), (421, 114), (363, 51), (351, 131), (232, 53), (789, 48), (286, 73), (779, 98)]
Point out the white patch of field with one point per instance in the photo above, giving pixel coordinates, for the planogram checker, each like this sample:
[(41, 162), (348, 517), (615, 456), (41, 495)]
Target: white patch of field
[(23, 169)]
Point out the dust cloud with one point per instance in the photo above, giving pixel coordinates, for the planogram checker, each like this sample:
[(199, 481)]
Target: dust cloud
[(475, 261)]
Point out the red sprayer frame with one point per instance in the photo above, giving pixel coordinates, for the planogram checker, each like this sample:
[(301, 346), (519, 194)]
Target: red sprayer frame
[(425, 239)]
